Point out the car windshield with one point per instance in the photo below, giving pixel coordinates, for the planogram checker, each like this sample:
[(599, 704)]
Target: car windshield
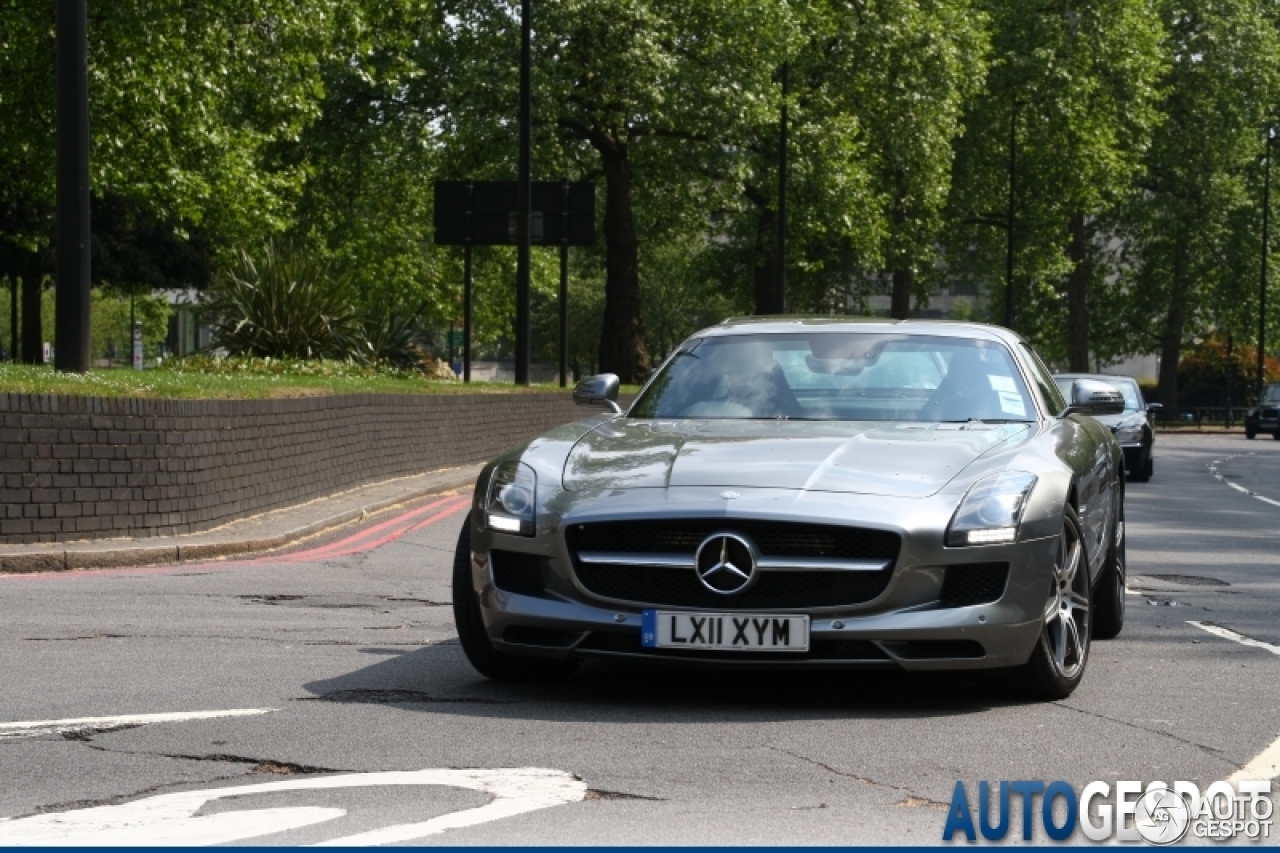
[(1272, 395), (1127, 387), (839, 376)]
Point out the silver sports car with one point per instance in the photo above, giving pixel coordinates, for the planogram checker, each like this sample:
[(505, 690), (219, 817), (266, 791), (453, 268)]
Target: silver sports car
[(814, 493)]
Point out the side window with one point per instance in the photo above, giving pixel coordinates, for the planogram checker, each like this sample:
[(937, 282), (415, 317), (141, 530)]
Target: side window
[(1053, 399)]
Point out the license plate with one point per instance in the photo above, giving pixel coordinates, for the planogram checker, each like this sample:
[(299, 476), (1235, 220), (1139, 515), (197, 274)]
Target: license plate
[(726, 632)]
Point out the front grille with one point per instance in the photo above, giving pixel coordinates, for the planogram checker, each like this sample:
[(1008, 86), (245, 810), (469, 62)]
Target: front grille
[(517, 572), (773, 538), (680, 587), (976, 583), (628, 642), (1269, 413)]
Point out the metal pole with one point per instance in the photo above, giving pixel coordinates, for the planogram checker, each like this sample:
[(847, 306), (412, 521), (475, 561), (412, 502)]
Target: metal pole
[(564, 288), (71, 321), (780, 297), (1008, 252), (1230, 370), (523, 331), (1262, 283), (466, 293), (13, 319)]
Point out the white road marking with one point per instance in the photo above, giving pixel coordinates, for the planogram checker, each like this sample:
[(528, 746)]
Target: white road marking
[(37, 728), (1213, 469), (171, 818), (1228, 634), (514, 792), (1265, 766)]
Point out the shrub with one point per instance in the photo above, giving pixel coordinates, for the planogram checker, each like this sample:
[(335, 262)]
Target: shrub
[(287, 303), (1205, 373)]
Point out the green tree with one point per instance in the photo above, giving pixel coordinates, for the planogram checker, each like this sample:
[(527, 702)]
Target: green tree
[(191, 107), (1189, 236), (639, 91), (1078, 82)]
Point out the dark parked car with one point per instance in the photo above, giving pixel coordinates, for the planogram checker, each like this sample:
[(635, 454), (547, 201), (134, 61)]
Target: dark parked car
[(1132, 427), (1264, 417)]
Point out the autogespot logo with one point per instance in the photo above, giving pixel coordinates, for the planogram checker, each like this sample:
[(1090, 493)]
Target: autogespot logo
[(1158, 814)]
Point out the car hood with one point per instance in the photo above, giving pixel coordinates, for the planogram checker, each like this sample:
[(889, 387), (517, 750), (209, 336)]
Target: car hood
[(897, 459), (1122, 419)]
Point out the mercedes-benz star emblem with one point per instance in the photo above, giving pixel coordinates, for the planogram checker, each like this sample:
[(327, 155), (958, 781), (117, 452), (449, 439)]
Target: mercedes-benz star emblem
[(726, 563)]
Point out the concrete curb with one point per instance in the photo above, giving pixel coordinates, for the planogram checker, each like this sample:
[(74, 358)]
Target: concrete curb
[(31, 559)]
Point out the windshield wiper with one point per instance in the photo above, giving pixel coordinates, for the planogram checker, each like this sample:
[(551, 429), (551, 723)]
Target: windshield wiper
[(989, 421)]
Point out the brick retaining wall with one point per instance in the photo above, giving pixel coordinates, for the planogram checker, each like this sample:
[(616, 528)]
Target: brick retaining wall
[(89, 468)]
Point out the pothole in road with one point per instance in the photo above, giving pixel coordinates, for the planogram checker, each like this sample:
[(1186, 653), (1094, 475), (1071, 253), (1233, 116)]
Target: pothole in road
[(398, 697), (1163, 583), (1189, 580), (345, 603)]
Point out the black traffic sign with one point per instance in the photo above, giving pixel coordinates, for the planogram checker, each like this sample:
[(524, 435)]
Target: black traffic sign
[(483, 213)]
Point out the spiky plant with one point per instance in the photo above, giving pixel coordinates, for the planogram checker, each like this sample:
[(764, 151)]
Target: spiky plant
[(286, 302)]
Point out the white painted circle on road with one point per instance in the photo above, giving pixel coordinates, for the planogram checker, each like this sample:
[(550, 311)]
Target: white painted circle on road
[(170, 819)]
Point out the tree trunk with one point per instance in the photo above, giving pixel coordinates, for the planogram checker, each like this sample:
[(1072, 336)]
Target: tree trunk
[(32, 331), (1078, 297), (767, 298), (900, 301), (1171, 339), (622, 349)]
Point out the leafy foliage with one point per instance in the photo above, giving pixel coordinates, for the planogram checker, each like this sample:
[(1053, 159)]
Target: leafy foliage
[(1138, 127), (288, 302)]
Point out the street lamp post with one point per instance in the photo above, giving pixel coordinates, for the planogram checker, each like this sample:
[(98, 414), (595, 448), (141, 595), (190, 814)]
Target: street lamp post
[(1262, 283), (1008, 250), (71, 321), (780, 298), (523, 309)]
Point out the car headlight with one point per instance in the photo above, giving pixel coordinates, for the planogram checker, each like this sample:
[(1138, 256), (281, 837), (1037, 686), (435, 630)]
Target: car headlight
[(1129, 434), (509, 506), (991, 510)]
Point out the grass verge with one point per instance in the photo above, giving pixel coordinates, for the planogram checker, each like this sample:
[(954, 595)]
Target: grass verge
[(241, 379)]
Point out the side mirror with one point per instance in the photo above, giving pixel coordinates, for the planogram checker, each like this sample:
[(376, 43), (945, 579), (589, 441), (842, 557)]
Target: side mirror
[(599, 390), (1154, 407), (1091, 397)]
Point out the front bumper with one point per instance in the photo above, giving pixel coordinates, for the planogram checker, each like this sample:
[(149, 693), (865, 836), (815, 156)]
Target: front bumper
[(906, 627), (1135, 456)]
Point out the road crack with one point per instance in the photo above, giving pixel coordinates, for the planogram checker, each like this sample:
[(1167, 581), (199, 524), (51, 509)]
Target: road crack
[(260, 765), (1213, 751), (910, 799)]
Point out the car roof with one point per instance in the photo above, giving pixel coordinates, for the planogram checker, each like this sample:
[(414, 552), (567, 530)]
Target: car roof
[(839, 323)]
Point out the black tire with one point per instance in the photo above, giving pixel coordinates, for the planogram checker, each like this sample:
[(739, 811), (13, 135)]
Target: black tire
[(1250, 434), (1058, 662), (487, 660), (1108, 592), (1276, 435)]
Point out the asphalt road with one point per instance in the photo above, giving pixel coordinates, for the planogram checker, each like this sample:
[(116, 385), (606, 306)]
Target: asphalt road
[(342, 666)]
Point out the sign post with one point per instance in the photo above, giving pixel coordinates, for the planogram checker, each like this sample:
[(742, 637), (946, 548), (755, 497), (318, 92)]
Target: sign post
[(137, 345), (486, 213)]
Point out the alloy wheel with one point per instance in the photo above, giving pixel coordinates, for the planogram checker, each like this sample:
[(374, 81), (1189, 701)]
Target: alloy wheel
[(1066, 615)]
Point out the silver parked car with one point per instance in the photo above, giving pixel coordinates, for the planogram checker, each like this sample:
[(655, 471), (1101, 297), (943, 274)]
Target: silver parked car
[(809, 493)]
